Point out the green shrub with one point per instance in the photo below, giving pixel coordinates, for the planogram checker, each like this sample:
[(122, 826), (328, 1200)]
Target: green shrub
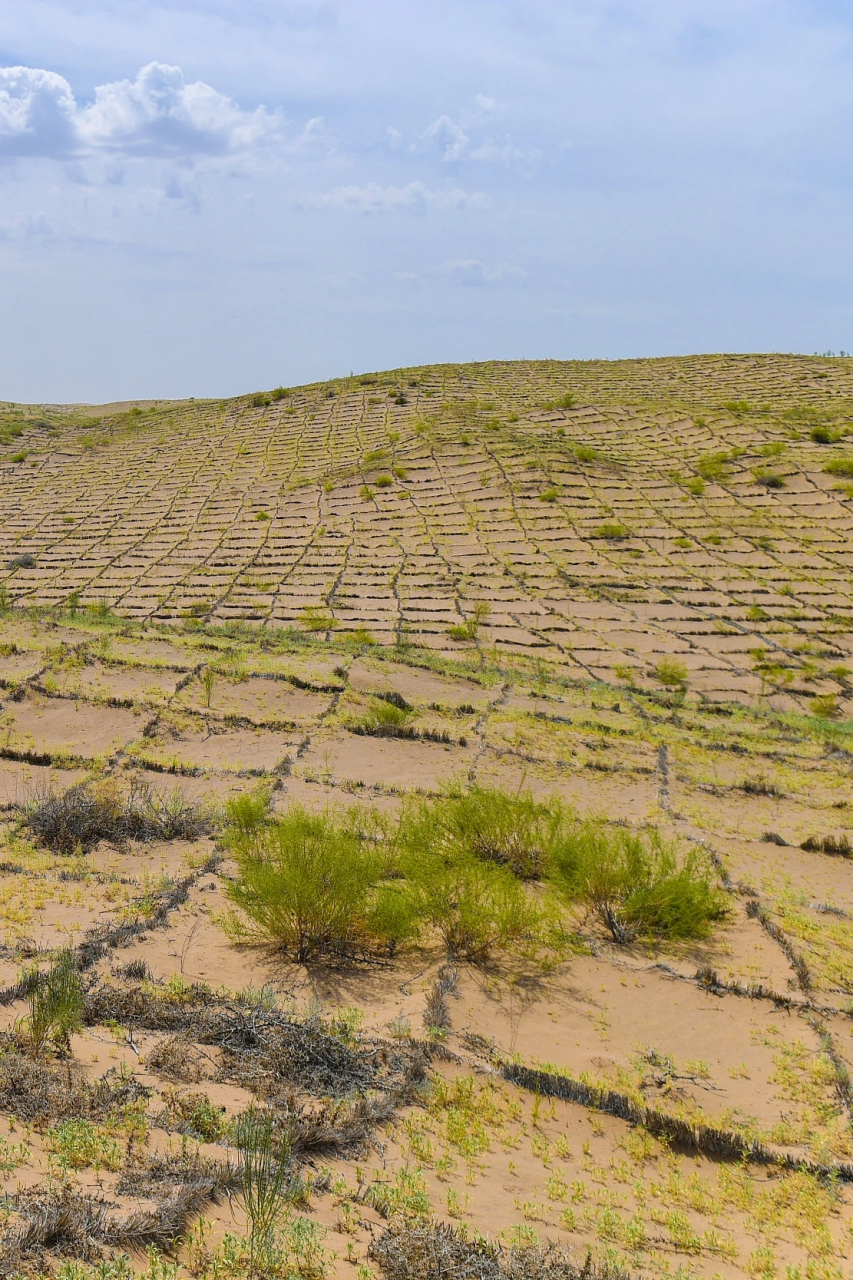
[(770, 479), (463, 856), (247, 814), (316, 619), (383, 482), (670, 672), (476, 907), (386, 719), (194, 1115), (712, 466), (613, 531), (515, 831), (315, 884), (635, 884), (264, 1180), (468, 629), (839, 467), (585, 453), (549, 495), (825, 706)]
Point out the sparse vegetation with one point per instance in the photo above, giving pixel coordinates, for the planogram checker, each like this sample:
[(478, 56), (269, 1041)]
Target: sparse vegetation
[(724, 793)]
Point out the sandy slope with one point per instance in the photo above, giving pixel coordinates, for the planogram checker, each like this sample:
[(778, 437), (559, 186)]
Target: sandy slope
[(741, 754)]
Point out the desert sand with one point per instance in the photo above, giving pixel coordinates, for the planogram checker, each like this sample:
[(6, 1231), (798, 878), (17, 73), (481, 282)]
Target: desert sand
[(621, 585)]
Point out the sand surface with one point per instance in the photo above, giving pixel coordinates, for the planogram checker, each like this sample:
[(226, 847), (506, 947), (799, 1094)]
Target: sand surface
[(243, 652)]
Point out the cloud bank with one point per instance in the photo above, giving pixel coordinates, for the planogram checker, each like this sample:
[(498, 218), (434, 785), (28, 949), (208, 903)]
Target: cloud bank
[(157, 114)]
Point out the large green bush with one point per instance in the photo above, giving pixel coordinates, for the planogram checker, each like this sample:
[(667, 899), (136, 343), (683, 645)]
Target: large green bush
[(345, 883), (315, 884), (348, 883), (516, 831), (476, 908), (636, 884)]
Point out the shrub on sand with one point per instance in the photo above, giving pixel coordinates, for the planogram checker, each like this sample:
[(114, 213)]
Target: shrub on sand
[(385, 718), (636, 884), (516, 831), (316, 885), (670, 672), (476, 908), (56, 1005), (342, 885)]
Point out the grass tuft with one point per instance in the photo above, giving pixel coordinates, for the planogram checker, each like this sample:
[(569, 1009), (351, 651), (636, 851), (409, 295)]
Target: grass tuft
[(56, 1005)]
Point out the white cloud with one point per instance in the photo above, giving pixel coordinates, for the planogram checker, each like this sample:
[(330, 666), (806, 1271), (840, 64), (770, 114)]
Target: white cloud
[(158, 113), (38, 114), (445, 135), (475, 274), (448, 137), (315, 134), (505, 152), (415, 197)]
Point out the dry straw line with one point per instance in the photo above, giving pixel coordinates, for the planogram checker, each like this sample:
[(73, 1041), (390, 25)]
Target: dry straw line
[(724, 1143), (795, 958)]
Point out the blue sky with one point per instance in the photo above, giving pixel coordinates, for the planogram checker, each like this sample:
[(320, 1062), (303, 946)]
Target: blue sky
[(210, 196)]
